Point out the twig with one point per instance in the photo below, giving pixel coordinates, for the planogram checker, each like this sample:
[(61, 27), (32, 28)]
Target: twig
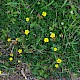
[(22, 72), (12, 49), (9, 46), (3, 74)]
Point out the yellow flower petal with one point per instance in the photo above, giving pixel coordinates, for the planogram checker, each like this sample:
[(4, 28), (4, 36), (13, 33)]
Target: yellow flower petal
[(52, 35), (58, 60), (17, 39), (0, 72), (55, 49), (26, 32), (10, 58), (19, 61), (44, 13), (27, 19), (11, 54), (19, 50), (46, 40), (9, 39), (56, 65)]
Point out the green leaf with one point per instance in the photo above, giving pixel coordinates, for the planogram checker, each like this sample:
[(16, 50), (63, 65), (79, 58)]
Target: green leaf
[(33, 24), (12, 3), (45, 75), (41, 72)]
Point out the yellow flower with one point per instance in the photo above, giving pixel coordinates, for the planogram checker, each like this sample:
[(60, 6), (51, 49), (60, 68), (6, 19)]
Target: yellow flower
[(44, 13), (46, 40), (56, 65), (26, 32), (19, 50), (55, 49), (58, 60), (11, 54), (10, 58), (9, 39), (19, 61), (17, 39), (0, 72), (52, 35), (27, 19)]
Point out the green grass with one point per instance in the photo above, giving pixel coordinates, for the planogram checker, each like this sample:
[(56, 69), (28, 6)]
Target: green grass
[(35, 51)]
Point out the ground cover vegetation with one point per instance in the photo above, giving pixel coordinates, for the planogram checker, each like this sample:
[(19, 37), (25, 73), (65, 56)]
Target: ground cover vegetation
[(43, 34)]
